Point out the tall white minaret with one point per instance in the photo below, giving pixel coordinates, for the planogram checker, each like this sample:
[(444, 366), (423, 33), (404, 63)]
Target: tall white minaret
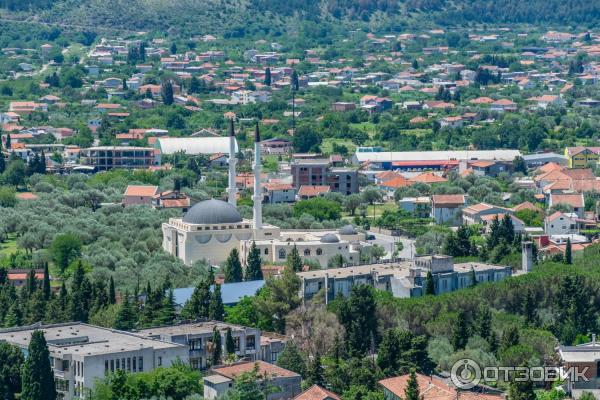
[(232, 190), (257, 197)]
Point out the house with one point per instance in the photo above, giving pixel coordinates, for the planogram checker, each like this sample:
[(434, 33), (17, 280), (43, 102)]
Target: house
[(375, 104), (316, 392), (447, 208), (309, 191), (487, 220), (430, 388), (474, 214), (489, 168), (451, 122), (219, 160), (582, 157), (561, 223), (276, 146), (574, 202), (428, 178), (171, 199), (275, 193), (108, 107), (26, 107), (286, 383), (420, 207), (503, 105), (18, 277), (139, 195), (542, 102), (342, 106), (585, 358)]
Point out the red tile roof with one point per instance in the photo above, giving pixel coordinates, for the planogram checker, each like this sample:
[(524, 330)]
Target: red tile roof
[(316, 392), (312, 191), (432, 388), (448, 199), (264, 368), (141, 190)]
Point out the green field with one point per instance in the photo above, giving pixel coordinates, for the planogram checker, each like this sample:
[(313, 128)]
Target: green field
[(9, 246)]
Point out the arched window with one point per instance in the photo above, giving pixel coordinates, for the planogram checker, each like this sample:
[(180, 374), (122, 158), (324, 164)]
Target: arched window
[(282, 254), (306, 252), (319, 252)]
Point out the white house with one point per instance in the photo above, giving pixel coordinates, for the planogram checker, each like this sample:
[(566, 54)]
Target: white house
[(561, 223)]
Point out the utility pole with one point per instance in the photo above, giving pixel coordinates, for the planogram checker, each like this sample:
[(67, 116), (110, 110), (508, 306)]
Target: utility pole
[(293, 109)]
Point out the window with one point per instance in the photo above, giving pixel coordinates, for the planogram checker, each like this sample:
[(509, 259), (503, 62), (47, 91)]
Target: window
[(141, 364), (236, 342), (112, 365), (266, 252), (196, 344), (319, 252), (105, 367), (250, 342), (159, 361), (118, 364), (282, 254), (134, 364), (306, 252), (128, 364)]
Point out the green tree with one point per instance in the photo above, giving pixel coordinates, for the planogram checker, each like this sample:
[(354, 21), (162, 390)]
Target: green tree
[(412, 387), (292, 359), (112, 296), (568, 253), (281, 297), (473, 276), (229, 343), (46, 283), (358, 316), (294, 261), (460, 334), (254, 267), (167, 93), (483, 323), (521, 390), (216, 310), (126, 316), (37, 378), (11, 361), (216, 348), (320, 208), (295, 81), (510, 337), (316, 375), (530, 307), (14, 174), (250, 385), (233, 267), (198, 304), (267, 80), (429, 284), (64, 249)]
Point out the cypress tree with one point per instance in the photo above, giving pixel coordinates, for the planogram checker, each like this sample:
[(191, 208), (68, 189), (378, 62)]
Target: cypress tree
[(412, 387), (233, 267), (484, 322), (521, 390), (216, 351), (253, 269), (568, 252), (460, 336), (197, 306), (510, 337), (295, 81), (529, 307), (125, 319), (267, 76), (316, 375), (46, 283), (125, 88), (291, 359), (229, 343), (167, 93), (429, 284), (2, 161), (41, 167), (216, 310), (473, 278), (112, 296), (37, 378), (8, 145), (294, 262), (167, 314)]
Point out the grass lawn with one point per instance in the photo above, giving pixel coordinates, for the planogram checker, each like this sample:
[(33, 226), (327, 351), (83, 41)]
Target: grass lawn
[(327, 145), (9, 246), (270, 163), (368, 127)]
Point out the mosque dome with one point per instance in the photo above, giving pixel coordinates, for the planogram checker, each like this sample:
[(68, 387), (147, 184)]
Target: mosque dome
[(330, 238), (347, 230), (212, 212)]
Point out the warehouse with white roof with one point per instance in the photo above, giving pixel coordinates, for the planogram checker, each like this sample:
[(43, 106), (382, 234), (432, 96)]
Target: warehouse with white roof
[(194, 145)]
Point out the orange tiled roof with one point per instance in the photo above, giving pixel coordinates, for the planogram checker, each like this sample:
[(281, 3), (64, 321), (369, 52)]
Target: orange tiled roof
[(316, 392), (263, 369), (141, 190)]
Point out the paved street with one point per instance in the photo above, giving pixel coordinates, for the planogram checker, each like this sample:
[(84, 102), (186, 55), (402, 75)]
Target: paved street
[(388, 243)]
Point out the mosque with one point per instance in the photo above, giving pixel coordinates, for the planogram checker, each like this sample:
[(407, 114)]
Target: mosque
[(212, 228)]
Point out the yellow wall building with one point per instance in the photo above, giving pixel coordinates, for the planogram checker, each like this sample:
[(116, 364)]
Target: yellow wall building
[(582, 157)]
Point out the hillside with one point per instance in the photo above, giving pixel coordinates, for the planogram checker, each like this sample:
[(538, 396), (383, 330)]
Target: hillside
[(240, 18)]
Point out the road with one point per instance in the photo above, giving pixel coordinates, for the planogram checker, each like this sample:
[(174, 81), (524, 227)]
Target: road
[(388, 242)]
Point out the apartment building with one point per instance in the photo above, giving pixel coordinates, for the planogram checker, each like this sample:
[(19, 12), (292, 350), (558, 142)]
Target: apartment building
[(107, 157), (81, 353), (320, 172), (197, 336)]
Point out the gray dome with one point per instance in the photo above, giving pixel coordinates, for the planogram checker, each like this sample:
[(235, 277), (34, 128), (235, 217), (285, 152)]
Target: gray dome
[(212, 212), (347, 230), (330, 238)]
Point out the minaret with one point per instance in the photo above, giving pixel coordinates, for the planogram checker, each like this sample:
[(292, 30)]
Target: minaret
[(232, 190), (257, 198)]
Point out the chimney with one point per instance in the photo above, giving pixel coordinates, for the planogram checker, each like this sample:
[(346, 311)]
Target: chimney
[(527, 256), (257, 197), (232, 190)]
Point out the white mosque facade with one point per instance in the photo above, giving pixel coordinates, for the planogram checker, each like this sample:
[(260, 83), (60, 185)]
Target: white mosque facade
[(212, 228)]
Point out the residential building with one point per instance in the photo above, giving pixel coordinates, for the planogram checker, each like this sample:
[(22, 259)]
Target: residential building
[(316, 392), (342, 106), (276, 193), (287, 383), (197, 337), (139, 195), (309, 191), (80, 354), (271, 346), (490, 168), (488, 219), (503, 105), (193, 146), (582, 157), (561, 223), (107, 157), (420, 207), (446, 209), (403, 280), (430, 388), (586, 358), (320, 172), (474, 214), (574, 202), (276, 146), (171, 199)]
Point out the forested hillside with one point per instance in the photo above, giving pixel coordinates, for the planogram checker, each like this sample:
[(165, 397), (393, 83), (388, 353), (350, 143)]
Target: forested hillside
[(245, 18)]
